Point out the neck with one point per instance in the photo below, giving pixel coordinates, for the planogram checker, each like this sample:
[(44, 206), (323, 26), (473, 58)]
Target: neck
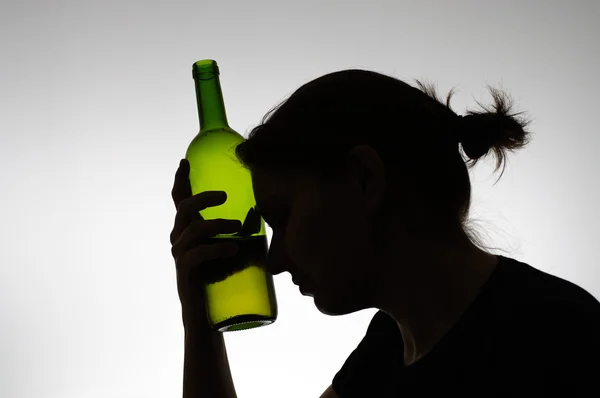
[(434, 291), (209, 97)]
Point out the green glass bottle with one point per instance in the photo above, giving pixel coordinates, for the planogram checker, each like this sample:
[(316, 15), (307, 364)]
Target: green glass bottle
[(239, 294)]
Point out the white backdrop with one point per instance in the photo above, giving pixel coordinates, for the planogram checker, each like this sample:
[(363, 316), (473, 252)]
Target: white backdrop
[(98, 106)]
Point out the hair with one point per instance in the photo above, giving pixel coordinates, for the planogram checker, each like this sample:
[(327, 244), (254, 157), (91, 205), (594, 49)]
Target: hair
[(415, 133)]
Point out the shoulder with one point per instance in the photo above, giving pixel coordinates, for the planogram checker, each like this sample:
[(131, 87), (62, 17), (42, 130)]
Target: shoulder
[(557, 320), (532, 289), (383, 325), (554, 296), (373, 362), (381, 339), (568, 333)]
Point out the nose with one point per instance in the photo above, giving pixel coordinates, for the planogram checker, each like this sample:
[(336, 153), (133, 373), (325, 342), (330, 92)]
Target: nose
[(277, 261)]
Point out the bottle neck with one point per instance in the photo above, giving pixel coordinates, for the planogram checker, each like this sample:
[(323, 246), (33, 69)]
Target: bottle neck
[(211, 108)]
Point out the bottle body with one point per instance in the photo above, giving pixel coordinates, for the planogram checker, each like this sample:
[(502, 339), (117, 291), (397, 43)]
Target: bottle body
[(239, 293)]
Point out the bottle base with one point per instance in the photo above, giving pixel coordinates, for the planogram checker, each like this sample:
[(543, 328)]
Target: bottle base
[(242, 322)]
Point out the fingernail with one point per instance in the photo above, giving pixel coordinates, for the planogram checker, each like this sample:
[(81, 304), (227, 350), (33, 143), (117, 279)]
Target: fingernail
[(233, 248), (236, 224)]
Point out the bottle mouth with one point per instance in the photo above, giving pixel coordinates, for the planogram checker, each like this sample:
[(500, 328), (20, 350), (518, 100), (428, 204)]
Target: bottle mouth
[(205, 69)]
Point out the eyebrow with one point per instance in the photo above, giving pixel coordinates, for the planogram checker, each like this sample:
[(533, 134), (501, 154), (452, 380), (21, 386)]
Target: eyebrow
[(269, 204), (264, 210)]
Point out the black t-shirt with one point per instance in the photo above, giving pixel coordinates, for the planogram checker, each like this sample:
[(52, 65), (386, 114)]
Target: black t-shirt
[(527, 333)]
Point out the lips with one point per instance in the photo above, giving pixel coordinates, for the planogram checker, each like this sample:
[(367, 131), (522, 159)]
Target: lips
[(297, 280)]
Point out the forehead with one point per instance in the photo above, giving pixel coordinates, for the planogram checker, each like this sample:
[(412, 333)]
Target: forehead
[(270, 185)]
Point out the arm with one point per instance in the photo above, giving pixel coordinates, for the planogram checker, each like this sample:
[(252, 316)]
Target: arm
[(207, 372), (206, 367), (329, 393)]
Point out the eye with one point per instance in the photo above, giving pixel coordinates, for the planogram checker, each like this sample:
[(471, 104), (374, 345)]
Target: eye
[(270, 222), (275, 221), (266, 217), (274, 217)]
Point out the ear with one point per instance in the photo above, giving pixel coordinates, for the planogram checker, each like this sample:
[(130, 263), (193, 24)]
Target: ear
[(367, 169)]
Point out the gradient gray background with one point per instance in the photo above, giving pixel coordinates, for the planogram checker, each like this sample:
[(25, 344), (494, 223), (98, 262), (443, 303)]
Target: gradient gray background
[(98, 106)]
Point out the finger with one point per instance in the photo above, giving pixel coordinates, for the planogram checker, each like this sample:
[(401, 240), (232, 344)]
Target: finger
[(203, 253), (198, 231), (181, 187), (189, 209)]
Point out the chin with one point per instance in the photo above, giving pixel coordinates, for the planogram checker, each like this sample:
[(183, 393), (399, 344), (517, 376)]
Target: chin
[(335, 306)]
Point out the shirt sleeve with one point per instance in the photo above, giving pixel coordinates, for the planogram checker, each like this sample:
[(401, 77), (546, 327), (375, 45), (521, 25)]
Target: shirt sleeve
[(568, 345), (365, 370), (580, 353)]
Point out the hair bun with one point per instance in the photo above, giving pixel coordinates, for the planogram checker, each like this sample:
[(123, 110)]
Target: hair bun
[(495, 129), (458, 130), (477, 134)]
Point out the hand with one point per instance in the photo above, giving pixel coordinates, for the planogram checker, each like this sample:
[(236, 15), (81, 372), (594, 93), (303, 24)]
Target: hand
[(188, 233)]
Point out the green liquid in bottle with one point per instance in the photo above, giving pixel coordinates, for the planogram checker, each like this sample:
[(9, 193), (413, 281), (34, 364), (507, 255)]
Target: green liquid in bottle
[(239, 293)]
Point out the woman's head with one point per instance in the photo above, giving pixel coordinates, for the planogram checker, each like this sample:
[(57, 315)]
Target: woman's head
[(355, 164)]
